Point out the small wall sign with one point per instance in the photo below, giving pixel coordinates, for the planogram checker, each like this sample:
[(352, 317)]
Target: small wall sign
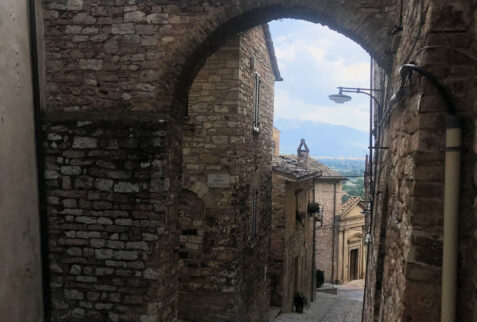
[(218, 180)]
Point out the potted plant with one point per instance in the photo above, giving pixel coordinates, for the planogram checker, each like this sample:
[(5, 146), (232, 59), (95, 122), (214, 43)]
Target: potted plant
[(313, 207), (300, 302)]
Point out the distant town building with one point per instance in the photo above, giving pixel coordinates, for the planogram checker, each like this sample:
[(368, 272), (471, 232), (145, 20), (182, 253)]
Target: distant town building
[(328, 193), (351, 248), (292, 268)]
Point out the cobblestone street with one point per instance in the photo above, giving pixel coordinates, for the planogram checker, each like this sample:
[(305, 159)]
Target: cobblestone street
[(346, 306)]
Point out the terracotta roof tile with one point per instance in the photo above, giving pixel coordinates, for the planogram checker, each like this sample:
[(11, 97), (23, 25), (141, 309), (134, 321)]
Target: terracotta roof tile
[(314, 165), (289, 166)]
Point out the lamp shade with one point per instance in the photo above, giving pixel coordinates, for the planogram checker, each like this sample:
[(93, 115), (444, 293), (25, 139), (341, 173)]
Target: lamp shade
[(340, 98)]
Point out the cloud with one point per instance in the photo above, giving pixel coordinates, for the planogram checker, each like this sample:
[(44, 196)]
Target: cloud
[(314, 60), (354, 115)]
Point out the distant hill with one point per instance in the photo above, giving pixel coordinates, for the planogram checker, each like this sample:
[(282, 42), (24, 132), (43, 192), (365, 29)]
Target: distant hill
[(323, 139), (353, 168)]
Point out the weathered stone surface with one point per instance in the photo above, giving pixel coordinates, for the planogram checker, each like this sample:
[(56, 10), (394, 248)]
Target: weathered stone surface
[(97, 217), (91, 64), (74, 4), (175, 51), (209, 286), (85, 143)]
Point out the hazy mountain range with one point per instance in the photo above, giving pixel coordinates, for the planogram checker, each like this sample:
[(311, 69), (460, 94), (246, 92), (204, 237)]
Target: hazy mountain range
[(323, 139)]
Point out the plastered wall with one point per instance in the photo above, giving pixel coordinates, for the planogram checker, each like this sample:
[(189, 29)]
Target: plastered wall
[(20, 268)]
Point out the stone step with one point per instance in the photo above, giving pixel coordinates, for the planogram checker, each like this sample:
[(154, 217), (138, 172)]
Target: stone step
[(328, 288)]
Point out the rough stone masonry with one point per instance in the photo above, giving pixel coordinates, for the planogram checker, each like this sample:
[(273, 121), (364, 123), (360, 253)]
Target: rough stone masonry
[(125, 65)]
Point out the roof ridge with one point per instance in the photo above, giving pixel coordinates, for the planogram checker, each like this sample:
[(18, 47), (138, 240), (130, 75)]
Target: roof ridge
[(353, 200), (327, 171)]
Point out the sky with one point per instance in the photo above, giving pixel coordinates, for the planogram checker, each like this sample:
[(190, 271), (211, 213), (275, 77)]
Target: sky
[(313, 62)]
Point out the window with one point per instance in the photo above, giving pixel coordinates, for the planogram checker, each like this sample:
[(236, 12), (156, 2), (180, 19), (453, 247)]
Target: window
[(254, 209), (256, 104)]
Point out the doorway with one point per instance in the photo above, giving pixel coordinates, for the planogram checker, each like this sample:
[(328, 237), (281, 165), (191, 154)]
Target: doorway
[(353, 265)]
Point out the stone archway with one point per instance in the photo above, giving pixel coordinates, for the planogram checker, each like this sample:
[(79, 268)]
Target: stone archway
[(370, 25), (117, 78)]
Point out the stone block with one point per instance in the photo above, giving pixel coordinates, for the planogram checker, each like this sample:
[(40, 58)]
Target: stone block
[(83, 19), (122, 29), (90, 64), (74, 4), (103, 184), (134, 16), (103, 253), (70, 170), (85, 143), (72, 294), (125, 255)]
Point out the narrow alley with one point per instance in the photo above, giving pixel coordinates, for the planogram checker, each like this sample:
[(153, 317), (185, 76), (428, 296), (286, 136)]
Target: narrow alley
[(346, 306)]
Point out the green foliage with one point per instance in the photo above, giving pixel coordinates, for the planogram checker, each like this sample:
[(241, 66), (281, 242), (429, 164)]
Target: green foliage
[(313, 207), (354, 186)]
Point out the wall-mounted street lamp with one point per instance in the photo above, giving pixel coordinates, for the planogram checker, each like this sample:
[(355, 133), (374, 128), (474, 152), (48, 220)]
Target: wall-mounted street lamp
[(341, 98), (368, 239)]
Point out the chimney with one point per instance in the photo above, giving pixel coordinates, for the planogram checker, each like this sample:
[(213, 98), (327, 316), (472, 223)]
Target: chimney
[(302, 154)]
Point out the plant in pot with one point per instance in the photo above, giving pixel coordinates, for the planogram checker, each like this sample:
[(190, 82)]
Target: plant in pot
[(313, 208), (299, 300)]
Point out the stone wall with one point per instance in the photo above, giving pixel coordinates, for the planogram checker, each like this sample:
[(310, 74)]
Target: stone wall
[(223, 267), (255, 158), (111, 240), (405, 261), (210, 271), (136, 60), (292, 242), (329, 194), (21, 268), (143, 56)]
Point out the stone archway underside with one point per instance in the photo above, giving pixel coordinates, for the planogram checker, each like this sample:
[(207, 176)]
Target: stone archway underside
[(117, 78)]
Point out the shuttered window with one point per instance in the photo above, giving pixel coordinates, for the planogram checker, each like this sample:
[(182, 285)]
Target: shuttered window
[(256, 103)]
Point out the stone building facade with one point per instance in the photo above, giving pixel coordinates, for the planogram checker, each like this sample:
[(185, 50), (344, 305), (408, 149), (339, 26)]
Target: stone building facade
[(292, 267), (329, 193), (120, 71), (351, 259), (225, 205), (328, 190)]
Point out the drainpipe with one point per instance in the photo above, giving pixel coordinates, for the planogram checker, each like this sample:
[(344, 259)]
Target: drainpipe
[(313, 247), (333, 240), (451, 194), (39, 161), (451, 218)]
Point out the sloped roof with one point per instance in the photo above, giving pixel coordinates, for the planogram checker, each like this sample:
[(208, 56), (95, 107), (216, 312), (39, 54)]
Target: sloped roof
[(289, 167), (271, 52), (316, 166), (349, 204)]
